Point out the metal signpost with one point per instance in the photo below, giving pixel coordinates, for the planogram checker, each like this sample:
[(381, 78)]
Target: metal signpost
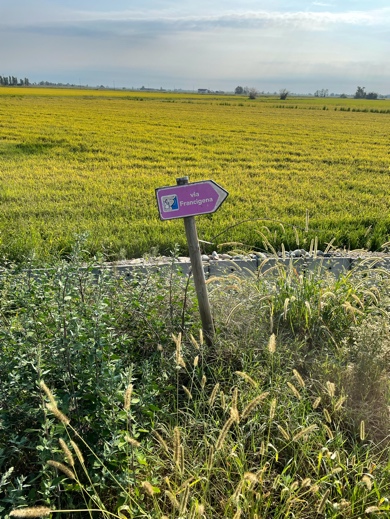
[(186, 201)]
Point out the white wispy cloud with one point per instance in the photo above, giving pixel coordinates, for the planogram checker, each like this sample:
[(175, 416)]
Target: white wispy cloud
[(309, 20), (137, 27), (306, 18)]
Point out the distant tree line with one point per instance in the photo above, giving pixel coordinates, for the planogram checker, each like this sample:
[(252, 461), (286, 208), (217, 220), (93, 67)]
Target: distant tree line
[(253, 93), (324, 92), (362, 94), (13, 81)]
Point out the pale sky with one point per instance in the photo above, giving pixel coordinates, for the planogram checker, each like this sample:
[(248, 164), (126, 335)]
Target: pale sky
[(217, 44)]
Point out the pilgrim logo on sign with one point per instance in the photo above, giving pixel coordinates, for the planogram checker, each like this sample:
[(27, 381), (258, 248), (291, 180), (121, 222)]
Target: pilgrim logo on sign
[(170, 203), (192, 199)]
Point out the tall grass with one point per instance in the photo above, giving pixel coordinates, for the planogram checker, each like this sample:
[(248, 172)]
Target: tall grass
[(112, 406)]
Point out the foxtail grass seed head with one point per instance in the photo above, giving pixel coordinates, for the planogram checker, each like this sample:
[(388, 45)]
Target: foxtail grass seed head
[(179, 359), (201, 339), (359, 301), (177, 340), (235, 398), (213, 394), (294, 390), (272, 344), (260, 473), (362, 430), (299, 378), (272, 409), (234, 414), (176, 446), (78, 452), (339, 404), (223, 433), (305, 432), (285, 307), (194, 342), (306, 483), (316, 402), (133, 442), (68, 455), (57, 413), (48, 393), (327, 415), (196, 361), (36, 511), (187, 392), (367, 481), (294, 486), (148, 488), (237, 515), (63, 468), (251, 477), (328, 432), (127, 397), (262, 448), (296, 236), (161, 441), (284, 433), (372, 510), (180, 362), (172, 498), (253, 404), (247, 378), (331, 388), (203, 382), (322, 504)]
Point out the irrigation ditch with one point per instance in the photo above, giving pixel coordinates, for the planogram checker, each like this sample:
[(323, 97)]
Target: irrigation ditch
[(249, 265), (335, 264)]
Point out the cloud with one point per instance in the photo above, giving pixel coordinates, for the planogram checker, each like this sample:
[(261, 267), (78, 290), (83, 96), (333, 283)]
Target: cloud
[(305, 18), (127, 21)]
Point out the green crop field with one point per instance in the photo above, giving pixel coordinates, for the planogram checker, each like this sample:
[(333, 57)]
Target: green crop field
[(88, 161)]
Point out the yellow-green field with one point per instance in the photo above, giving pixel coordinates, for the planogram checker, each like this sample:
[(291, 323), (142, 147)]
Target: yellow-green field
[(73, 161)]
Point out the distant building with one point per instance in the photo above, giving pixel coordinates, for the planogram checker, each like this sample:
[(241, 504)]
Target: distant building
[(203, 91)]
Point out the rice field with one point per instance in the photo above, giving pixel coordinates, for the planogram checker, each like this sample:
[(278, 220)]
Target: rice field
[(88, 161)]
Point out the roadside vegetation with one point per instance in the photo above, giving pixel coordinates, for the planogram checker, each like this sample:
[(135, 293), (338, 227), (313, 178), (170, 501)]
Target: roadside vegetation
[(76, 160), (111, 401)]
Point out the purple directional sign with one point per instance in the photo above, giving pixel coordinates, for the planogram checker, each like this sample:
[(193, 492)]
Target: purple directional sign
[(189, 199)]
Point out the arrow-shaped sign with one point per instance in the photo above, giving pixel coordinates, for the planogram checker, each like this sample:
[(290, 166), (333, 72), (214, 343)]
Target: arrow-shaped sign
[(189, 199)]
